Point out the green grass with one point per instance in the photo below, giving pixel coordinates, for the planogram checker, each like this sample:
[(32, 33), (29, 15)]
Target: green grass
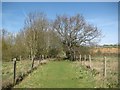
[(7, 70), (112, 71), (59, 74), (63, 74)]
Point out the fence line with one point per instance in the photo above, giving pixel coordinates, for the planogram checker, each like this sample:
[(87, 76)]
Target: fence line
[(87, 61), (20, 57), (104, 65), (80, 58), (42, 57), (32, 63), (90, 61), (14, 70), (84, 59)]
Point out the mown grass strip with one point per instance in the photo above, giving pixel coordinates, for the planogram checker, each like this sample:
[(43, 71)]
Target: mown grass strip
[(58, 74)]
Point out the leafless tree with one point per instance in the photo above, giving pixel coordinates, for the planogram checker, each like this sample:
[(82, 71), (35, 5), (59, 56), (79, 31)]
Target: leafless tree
[(74, 31), (35, 27)]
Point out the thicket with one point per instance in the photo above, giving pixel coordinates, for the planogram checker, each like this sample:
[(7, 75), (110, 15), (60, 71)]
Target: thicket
[(41, 36)]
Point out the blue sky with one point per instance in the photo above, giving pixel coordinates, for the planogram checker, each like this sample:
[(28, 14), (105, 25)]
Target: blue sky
[(104, 15)]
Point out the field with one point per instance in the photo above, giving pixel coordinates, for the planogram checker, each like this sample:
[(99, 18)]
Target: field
[(59, 74), (111, 78), (64, 74), (106, 50), (21, 68)]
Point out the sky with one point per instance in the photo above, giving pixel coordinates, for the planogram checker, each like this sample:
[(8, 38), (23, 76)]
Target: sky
[(60, 0), (104, 15)]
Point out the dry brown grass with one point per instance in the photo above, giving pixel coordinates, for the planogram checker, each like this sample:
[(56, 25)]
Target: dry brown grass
[(105, 50), (111, 79), (22, 67)]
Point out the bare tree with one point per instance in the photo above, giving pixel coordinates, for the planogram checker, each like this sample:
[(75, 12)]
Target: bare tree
[(74, 31), (35, 27)]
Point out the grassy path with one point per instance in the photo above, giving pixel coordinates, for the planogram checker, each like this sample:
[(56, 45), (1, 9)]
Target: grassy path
[(58, 74)]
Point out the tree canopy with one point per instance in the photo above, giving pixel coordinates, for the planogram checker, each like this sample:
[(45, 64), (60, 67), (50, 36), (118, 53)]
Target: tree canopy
[(40, 36), (74, 31)]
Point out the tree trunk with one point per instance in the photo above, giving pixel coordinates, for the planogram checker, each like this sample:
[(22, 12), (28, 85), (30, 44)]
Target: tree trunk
[(70, 55)]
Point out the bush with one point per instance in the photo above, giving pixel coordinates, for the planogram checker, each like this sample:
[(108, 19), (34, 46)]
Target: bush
[(53, 52)]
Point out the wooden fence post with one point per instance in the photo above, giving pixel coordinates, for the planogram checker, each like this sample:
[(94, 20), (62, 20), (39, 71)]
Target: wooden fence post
[(20, 57), (80, 57), (90, 60), (104, 67), (14, 70), (39, 59), (42, 57), (29, 57), (84, 59), (32, 63)]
